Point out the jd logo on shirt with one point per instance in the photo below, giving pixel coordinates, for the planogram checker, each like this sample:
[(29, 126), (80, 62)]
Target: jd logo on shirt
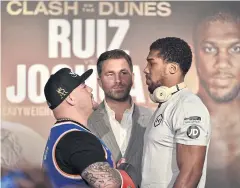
[(193, 132), (158, 120)]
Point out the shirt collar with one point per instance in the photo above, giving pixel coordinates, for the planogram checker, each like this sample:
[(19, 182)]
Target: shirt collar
[(110, 111)]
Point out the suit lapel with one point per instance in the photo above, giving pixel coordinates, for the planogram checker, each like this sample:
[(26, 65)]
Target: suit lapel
[(135, 133), (105, 132)]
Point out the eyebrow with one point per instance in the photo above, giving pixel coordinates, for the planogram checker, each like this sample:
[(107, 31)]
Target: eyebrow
[(150, 58), (111, 71), (207, 42), (214, 42)]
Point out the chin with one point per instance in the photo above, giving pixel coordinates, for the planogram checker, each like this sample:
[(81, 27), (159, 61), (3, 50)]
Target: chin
[(151, 89), (94, 108)]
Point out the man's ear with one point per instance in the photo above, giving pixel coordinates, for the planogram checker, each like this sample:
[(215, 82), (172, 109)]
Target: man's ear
[(99, 82), (173, 68), (70, 99)]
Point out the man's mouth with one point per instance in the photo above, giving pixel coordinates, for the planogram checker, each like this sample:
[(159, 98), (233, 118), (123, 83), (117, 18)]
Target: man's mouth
[(119, 88), (223, 76), (221, 81), (148, 81)]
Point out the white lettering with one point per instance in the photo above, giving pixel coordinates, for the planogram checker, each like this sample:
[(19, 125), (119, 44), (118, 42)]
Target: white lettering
[(123, 26), (105, 8), (18, 96), (84, 44), (164, 9), (78, 38), (56, 37), (33, 94), (193, 132), (37, 76)]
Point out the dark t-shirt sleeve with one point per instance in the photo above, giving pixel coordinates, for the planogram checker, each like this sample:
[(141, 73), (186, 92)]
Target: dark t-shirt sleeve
[(79, 149)]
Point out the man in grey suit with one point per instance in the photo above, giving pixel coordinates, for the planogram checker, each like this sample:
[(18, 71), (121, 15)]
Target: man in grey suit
[(118, 121)]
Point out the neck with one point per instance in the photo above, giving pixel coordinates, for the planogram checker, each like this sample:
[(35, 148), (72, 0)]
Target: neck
[(119, 107), (172, 82), (75, 116), (216, 108)]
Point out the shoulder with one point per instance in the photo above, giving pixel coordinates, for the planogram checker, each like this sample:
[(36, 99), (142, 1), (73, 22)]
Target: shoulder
[(74, 139), (98, 112), (188, 95), (143, 110), (190, 103), (76, 135), (96, 116), (190, 99), (142, 115)]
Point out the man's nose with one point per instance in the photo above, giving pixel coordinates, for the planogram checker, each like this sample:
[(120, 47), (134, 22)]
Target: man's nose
[(117, 78), (223, 60), (146, 70)]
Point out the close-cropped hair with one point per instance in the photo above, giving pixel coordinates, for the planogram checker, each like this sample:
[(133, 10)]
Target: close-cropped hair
[(113, 54), (173, 49), (221, 15)]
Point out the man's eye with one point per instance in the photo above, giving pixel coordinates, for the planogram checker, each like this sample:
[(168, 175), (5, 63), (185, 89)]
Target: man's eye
[(210, 50), (235, 49), (149, 64)]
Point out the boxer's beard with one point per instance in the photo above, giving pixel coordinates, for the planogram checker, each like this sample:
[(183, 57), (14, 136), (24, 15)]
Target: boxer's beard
[(120, 96), (227, 97), (153, 86)]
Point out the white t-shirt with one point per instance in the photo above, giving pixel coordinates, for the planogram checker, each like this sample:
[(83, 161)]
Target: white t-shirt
[(182, 119)]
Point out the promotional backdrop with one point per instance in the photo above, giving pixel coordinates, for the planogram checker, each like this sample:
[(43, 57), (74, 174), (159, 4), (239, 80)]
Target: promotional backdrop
[(39, 38)]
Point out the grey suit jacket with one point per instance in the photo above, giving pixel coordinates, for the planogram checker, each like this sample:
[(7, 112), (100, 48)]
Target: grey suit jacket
[(99, 124)]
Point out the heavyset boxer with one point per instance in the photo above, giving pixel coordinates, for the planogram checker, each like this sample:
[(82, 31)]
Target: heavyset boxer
[(73, 155)]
